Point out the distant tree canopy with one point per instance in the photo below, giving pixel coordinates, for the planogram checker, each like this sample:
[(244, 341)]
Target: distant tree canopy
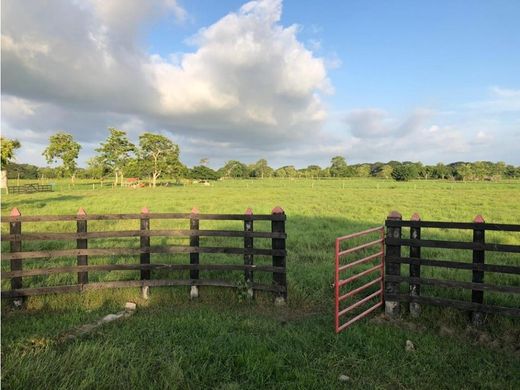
[(234, 169), (63, 147), (157, 157), (405, 172), (8, 148), (115, 153), (202, 172)]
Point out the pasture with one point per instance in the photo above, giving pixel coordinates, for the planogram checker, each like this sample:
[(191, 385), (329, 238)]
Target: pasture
[(221, 341)]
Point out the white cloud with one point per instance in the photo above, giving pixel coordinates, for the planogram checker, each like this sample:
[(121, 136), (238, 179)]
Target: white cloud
[(500, 101), (249, 78)]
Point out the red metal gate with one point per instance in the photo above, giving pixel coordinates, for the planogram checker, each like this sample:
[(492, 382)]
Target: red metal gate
[(343, 266)]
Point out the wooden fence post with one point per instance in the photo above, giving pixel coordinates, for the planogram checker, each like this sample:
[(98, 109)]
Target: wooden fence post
[(145, 245), (392, 307), (82, 244), (415, 269), (477, 318), (15, 227), (194, 257), (248, 258), (279, 279)]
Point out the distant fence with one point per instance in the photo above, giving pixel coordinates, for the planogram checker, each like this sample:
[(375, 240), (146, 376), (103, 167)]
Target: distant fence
[(478, 246), (30, 188), (82, 253)]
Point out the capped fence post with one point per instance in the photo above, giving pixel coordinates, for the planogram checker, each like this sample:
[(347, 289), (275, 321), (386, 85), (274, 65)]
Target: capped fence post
[(194, 257), (145, 249), (82, 243), (415, 269), (248, 257), (477, 296), (15, 227), (392, 305), (279, 278)]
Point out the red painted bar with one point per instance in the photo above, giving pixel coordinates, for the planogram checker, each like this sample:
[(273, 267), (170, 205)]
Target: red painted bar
[(360, 302), (359, 247), (355, 277), (359, 289), (361, 261)]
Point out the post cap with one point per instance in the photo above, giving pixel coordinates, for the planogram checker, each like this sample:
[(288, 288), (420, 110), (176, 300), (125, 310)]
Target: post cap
[(394, 214), (195, 210), (479, 219), (249, 211), (81, 211), (145, 210), (415, 217), (277, 210), (15, 212)]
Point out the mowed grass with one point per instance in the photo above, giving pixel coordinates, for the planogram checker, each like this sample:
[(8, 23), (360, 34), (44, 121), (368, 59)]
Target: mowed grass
[(222, 342)]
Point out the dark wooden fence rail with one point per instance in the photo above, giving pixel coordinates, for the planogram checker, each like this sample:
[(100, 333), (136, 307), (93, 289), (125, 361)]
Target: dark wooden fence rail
[(479, 247), (16, 256)]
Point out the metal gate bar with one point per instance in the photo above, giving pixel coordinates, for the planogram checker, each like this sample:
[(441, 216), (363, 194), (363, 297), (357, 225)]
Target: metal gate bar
[(338, 283)]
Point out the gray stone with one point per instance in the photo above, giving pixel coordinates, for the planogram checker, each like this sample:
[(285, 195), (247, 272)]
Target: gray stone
[(279, 301), (409, 347), (112, 317), (194, 292), (343, 378), (145, 292)]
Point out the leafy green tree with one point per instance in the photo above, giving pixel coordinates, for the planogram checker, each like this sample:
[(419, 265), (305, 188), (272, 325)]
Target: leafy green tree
[(312, 171), (280, 172), (338, 167), (464, 172), (262, 169), (511, 172), (405, 172), (384, 171), (23, 171), (115, 153), (8, 148), (201, 172), (63, 147), (96, 169), (234, 169), (363, 170), (158, 155), (441, 171)]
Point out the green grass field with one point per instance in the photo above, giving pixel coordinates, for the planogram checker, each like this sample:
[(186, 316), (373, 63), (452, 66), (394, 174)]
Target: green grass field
[(221, 342)]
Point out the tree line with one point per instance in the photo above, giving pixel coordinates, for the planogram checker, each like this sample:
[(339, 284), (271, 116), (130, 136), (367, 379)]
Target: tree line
[(157, 157)]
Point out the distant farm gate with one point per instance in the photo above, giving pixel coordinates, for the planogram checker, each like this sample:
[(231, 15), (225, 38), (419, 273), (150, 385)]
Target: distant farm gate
[(82, 253), (30, 188)]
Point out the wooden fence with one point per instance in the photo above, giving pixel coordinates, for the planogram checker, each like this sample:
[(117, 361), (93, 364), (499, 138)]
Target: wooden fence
[(82, 253), (479, 247), (30, 188)]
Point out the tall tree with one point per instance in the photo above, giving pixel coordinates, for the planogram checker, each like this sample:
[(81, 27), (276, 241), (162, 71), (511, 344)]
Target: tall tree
[(63, 147), (262, 169), (338, 167), (159, 154), (115, 152), (8, 148), (235, 169)]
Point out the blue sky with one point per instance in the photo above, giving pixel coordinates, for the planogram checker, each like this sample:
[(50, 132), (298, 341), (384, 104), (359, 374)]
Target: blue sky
[(294, 82)]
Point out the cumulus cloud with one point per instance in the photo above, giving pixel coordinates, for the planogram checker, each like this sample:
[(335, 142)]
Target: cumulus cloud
[(248, 78)]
